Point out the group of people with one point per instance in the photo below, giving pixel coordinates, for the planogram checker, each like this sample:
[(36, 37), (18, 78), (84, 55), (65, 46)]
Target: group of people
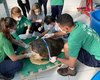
[(11, 29), (56, 6), (81, 42)]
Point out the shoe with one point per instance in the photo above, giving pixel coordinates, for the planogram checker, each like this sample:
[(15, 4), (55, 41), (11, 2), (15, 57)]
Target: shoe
[(67, 71), (3, 77)]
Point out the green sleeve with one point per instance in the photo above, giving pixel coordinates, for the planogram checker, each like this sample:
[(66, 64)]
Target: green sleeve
[(28, 22), (75, 41), (73, 49), (7, 47), (15, 35)]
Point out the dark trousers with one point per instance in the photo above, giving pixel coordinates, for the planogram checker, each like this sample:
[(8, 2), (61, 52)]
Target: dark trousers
[(25, 7), (35, 26), (88, 59), (44, 3), (8, 68), (56, 10)]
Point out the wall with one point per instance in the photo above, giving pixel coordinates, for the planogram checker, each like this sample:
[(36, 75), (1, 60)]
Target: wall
[(69, 5)]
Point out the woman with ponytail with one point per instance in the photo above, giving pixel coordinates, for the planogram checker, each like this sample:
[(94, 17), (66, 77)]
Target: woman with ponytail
[(10, 63)]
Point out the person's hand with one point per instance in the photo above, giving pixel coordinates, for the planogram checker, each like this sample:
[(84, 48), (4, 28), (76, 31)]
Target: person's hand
[(26, 46), (48, 35), (40, 28), (53, 59), (28, 54), (24, 36), (37, 37)]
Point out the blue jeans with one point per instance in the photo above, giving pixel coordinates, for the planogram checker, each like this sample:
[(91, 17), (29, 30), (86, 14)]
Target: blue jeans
[(56, 10), (88, 59), (8, 68)]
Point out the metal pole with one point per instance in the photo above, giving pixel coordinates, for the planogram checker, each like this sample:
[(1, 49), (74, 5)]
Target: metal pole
[(6, 8)]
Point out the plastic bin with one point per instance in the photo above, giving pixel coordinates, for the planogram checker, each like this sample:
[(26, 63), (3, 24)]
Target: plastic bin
[(95, 20), (96, 76)]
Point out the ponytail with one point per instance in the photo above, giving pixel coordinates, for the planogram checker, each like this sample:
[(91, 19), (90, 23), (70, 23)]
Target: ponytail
[(4, 28)]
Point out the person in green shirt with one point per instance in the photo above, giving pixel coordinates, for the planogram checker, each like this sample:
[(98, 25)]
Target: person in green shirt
[(18, 42), (10, 63), (23, 24), (83, 44), (56, 7)]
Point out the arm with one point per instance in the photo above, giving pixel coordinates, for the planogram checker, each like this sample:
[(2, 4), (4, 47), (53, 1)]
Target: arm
[(9, 51), (14, 57), (28, 24), (41, 35), (71, 49), (70, 61), (58, 34), (18, 42), (28, 29)]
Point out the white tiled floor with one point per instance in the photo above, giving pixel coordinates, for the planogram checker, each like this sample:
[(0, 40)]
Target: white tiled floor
[(84, 72)]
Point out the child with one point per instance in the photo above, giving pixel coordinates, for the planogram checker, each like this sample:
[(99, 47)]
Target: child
[(25, 6), (49, 23), (37, 17), (52, 30), (56, 7), (23, 24)]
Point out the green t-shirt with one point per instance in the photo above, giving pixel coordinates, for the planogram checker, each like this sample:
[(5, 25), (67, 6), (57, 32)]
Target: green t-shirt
[(15, 36), (84, 37), (20, 27), (57, 2), (5, 47)]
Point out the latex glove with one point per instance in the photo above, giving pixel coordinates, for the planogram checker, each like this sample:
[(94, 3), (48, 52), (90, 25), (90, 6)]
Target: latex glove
[(53, 59), (40, 28), (28, 55), (37, 37), (29, 36), (24, 36), (27, 46), (48, 35)]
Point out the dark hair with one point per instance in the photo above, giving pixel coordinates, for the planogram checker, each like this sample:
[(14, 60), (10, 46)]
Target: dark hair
[(65, 19), (10, 22), (6, 23), (49, 19)]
